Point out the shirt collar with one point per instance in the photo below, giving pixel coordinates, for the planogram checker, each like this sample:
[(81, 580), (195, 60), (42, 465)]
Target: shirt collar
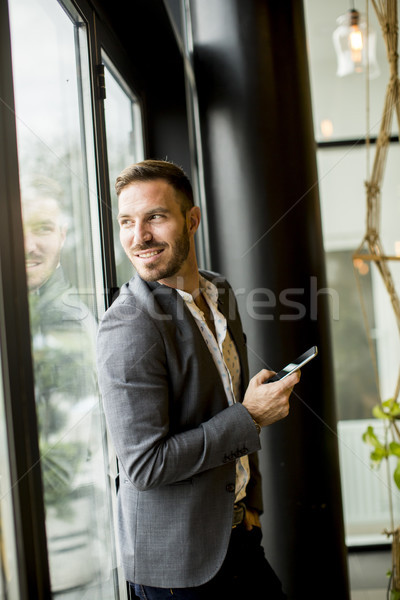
[(206, 287), (210, 289)]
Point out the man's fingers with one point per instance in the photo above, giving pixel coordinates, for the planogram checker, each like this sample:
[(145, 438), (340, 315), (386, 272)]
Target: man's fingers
[(263, 376)]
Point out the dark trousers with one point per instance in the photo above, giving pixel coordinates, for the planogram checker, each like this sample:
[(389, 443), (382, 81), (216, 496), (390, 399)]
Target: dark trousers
[(245, 575)]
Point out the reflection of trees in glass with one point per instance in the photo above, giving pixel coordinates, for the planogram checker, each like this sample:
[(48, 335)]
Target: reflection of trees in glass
[(60, 460), (54, 127), (62, 330), (355, 384)]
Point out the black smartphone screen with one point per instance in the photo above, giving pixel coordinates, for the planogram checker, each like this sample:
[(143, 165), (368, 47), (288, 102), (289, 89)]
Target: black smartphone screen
[(295, 365)]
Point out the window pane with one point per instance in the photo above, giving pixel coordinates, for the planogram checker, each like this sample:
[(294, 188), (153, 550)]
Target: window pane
[(342, 172), (63, 264), (124, 146), (340, 103), (355, 384), (8, 557)]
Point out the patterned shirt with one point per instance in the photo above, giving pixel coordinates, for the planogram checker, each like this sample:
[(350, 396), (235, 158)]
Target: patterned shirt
[(226, 359)]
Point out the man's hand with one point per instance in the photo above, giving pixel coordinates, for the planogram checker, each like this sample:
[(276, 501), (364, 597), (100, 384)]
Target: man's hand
[(269, 403)]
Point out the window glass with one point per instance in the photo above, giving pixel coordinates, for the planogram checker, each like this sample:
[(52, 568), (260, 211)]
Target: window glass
[(342, 172), (340, 103), (124, 147), (184, 22), (8, 557), (355, 385), (365, 330), (63, 265)]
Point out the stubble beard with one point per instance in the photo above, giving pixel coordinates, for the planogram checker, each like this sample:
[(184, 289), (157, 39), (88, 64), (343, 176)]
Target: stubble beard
[(180, 252)]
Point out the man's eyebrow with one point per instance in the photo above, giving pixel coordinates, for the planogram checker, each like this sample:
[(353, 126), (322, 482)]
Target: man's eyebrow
[(43, 221), (154, 211), (157, 210)]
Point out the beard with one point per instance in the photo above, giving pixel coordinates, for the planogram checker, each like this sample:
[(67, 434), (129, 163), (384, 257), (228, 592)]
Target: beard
[(155, 272)]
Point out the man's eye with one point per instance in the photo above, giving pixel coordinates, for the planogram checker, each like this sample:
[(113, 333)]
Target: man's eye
[(43, 229), (156, 217), (125, 223)]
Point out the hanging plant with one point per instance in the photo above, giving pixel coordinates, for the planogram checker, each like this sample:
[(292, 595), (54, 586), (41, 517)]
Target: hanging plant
[(389, 412), (383, 450)]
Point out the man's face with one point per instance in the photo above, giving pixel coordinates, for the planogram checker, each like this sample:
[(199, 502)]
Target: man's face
[(44, 238), (153, 231)]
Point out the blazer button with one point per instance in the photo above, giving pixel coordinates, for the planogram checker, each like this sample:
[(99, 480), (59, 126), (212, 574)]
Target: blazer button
[(230, 487)]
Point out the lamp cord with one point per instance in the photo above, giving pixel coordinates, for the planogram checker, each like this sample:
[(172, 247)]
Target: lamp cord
[(367, 97)]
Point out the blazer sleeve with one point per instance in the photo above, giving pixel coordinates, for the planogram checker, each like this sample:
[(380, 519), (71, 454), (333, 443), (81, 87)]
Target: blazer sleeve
[(135, 387)]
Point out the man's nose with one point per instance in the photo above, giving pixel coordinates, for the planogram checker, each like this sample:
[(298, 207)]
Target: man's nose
[(29, 242), (142, 233)]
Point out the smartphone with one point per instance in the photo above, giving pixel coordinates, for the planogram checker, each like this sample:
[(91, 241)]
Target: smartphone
[(295, 365)]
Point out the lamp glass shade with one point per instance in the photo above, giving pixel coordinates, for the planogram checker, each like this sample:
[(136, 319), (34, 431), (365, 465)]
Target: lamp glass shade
[(355, 48)]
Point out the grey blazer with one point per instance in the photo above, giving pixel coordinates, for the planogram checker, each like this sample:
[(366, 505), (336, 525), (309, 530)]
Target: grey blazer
[(176, 438)]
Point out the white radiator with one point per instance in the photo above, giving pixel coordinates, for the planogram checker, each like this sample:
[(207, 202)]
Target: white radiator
[(365, 491)]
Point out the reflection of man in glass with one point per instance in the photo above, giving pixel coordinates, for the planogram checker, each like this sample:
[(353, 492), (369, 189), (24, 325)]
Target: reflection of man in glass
[(45, 230), (62, 327), (55, 304), (63, 332)]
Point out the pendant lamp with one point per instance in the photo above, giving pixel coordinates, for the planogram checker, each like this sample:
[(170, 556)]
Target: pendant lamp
[(355, 45)]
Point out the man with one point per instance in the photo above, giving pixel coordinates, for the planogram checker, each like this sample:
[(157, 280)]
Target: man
[(185, 422)]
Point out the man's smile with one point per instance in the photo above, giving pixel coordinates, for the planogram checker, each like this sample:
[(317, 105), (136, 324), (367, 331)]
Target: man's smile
[(148, 253), (32, 262)]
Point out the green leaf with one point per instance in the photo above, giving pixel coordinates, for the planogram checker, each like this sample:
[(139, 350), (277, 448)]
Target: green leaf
[(394, 448), (387, 403), (394, 595), (395, 411), (379, 413), (394, 408), (390, 408), (396, 474), (378, 455), (369, 435), (370, 438)]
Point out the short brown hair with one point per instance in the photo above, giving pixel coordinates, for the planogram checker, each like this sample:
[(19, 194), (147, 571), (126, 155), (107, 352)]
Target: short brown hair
[(149, 170)]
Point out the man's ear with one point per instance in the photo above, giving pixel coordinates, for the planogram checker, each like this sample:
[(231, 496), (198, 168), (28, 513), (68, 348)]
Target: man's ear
[(193, 219), (63, 234)]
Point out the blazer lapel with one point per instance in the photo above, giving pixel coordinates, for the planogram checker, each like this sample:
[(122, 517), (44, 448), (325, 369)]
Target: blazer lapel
[(167, 303)]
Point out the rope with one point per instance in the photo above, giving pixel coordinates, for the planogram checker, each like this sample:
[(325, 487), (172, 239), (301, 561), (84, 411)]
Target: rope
[(386, 11)]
